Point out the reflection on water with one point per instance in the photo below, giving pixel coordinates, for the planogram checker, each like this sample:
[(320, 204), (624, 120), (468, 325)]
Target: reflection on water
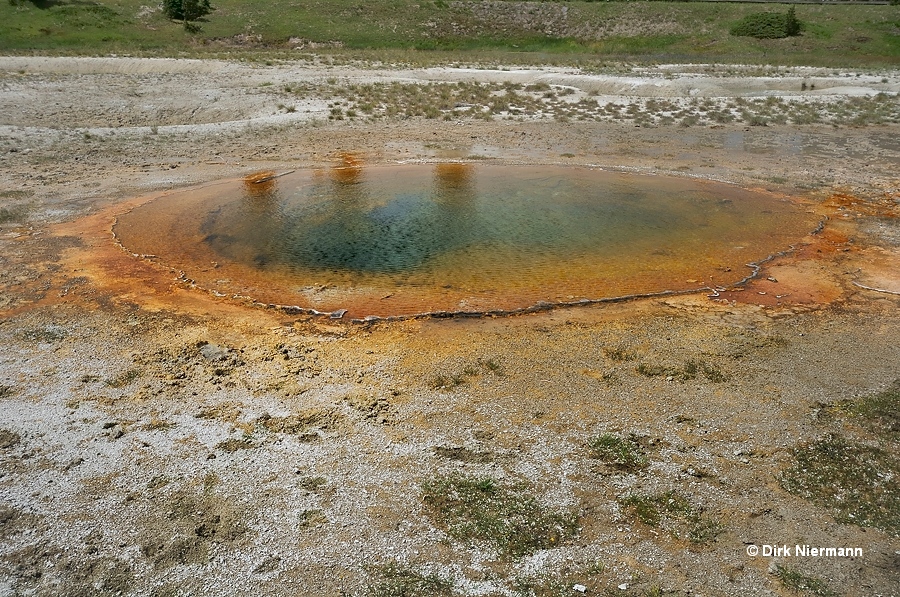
[(400, 240)]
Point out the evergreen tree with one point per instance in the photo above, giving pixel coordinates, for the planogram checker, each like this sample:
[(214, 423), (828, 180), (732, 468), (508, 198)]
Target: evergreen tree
[(186, 10)]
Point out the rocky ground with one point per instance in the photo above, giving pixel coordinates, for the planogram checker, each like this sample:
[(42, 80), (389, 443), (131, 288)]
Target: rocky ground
[(156, 440)]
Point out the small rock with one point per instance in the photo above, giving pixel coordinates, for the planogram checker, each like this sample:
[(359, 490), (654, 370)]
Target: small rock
[(623, 586), (579, 588), (211, 352)]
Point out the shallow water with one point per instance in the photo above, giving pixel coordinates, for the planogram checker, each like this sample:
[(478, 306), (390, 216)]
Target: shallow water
[(398, 240)]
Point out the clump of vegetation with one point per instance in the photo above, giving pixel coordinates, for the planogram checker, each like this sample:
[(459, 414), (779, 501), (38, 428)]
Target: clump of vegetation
[(11, 214), (768, 25), (448, 381), (50, 333), (312, 483), (397, 580), (8, 438), (691, 370), (234, 444), (543, 585), (491, 365), (511, 101), (880, 412), (860, 484), (673, 512), (618, 354), (796, 580), (625, 454), (443, 381), (157, 481), (123, 379), (508, 518), (311, 518), (157, 424)]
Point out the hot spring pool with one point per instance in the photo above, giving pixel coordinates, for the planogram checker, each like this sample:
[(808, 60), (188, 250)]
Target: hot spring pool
[(402, 240)]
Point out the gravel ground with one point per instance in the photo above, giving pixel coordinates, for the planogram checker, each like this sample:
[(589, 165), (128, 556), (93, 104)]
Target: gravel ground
[(157, 440)]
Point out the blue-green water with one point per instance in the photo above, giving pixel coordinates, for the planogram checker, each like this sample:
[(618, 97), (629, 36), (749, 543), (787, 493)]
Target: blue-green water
[(438, 237)]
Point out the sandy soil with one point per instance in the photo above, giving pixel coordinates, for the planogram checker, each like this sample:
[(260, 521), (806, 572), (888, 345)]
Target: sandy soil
[(157, 440)]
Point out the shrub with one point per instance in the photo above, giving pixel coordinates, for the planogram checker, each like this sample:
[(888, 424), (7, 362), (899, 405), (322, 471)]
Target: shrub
[(768, 25), (186, 10)]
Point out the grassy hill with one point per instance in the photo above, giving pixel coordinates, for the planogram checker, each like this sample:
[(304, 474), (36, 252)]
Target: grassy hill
[(555, 31)]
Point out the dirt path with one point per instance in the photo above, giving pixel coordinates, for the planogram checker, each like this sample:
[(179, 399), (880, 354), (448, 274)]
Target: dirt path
[(156, 440)]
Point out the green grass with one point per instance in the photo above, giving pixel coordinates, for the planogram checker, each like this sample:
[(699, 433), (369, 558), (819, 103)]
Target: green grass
[(859, 484), (450, 380), (879, 412), (590, 31), (443, 381), (797, 581), (508, 518), (625, 454), (511, 101), (397, 580), (674, 513)]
